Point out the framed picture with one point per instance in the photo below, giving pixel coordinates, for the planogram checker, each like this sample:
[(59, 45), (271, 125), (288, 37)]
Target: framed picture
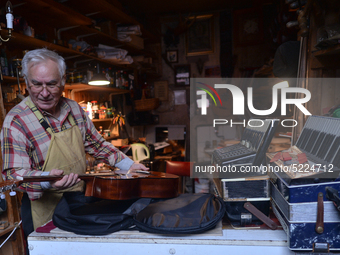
[(248, 27), (161, 90), (182, 75), (200, 36), (172, 56)]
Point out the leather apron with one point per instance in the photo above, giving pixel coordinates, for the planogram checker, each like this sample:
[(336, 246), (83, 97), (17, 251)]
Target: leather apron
[(66, 152)]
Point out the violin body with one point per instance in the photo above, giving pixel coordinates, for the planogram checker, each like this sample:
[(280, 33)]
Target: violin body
[(116, 186)]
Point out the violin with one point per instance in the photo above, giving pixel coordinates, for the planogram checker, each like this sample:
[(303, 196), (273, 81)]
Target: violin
[(141, 184)]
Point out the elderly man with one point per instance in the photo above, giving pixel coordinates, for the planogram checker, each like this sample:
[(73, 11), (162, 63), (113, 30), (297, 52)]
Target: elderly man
[(47, 134)]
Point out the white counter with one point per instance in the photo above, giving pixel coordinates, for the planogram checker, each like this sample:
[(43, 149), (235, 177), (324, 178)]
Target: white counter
[(229, 241)]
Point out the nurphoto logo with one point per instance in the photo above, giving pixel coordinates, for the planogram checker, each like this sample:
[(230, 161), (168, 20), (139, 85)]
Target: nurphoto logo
[(238, 98)]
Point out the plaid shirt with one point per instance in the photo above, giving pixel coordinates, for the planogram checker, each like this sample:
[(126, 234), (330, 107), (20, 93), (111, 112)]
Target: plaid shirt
[(24, 142)]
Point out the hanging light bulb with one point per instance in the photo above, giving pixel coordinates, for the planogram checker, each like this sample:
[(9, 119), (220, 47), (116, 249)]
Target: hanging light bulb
[(9, 15), (9, 19)]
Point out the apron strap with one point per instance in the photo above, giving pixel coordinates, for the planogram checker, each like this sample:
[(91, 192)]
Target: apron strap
[(42, 119), (71, 119)]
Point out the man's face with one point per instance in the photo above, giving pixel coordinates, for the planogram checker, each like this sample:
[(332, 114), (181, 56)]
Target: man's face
[(44, 85)]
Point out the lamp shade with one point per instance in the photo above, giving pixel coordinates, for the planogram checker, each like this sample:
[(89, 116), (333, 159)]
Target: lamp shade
[(98, 79)]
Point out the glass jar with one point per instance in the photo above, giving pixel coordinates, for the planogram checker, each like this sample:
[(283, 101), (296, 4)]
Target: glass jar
[(79, 77), (101, 114), (109, 113), (95, 109), (107, 133)]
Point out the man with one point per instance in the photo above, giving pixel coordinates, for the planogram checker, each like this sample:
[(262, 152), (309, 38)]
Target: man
[(47, 134)]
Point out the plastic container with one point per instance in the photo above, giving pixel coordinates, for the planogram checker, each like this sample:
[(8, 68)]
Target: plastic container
[(89, 110), (107, 133)]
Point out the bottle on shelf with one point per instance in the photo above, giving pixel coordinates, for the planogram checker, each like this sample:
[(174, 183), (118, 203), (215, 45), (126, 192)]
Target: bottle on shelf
[(118, 80), (109, 113), (126, 80), (4, 63), (108, 74), (89, 110), (131, 84), (112, 78), (79, 77), (122, 78), (102, 112), (71, 78), (95, 110)]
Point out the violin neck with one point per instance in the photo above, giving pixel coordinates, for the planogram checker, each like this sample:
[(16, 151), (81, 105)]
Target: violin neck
[(48, 178)]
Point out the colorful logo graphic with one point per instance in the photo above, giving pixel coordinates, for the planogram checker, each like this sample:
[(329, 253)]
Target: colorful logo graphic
[(209, 93)]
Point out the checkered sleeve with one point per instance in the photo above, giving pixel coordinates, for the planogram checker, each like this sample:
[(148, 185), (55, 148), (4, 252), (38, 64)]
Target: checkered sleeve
[(16, 160)]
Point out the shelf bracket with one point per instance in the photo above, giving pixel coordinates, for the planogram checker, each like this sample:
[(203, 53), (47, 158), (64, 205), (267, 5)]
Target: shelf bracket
[(82, 36), (64, 29)]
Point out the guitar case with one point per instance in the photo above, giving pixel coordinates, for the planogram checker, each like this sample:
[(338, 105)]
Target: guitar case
[(185, 214), (91, 216)]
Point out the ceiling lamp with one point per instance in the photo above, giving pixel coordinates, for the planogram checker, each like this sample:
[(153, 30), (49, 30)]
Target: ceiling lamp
[(98, 79)]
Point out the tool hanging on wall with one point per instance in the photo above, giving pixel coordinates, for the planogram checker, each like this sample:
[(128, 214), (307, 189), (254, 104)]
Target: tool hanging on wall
[(17, 63), (119, 119)]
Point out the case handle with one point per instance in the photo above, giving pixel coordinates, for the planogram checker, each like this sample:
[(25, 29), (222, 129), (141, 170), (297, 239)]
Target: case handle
[(319, 227), (260, 215)]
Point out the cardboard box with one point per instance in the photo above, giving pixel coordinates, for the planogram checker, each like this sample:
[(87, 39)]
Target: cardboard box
[(120, 142)]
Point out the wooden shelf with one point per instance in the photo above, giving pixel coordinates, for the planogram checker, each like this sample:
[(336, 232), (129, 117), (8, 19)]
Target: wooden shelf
[(73, 13), (77, 87), (30, 43), (101, 9), (94, 36), (111, 138), (76, 17), (100, 120), (51, 12), (326, 59), (328, 52), (10, 79)]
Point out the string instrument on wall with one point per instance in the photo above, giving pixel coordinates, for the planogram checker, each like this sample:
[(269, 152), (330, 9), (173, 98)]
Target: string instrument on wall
[(115, 186)]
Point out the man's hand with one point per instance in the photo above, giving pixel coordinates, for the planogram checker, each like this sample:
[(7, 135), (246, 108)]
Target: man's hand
[(66, 182), (137, 166)]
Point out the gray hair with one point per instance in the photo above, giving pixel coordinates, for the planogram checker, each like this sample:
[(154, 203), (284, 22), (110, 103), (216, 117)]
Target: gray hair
[(41, 55)]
